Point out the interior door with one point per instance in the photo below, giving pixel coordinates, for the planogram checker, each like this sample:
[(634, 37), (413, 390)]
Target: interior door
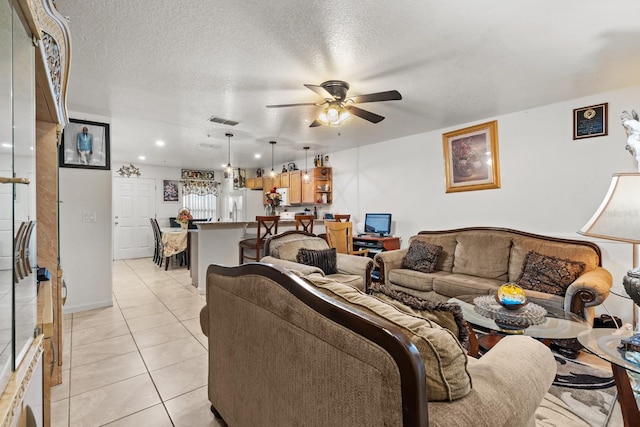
[(133, 206)]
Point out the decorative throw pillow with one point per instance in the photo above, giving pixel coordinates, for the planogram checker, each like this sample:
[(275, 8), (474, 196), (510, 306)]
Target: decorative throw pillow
[(422, 256), (549, 274), (324, 259)]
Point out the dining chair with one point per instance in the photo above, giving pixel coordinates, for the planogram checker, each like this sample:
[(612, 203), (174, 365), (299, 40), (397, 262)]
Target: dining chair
[(158, 254), (267, 226), (340, 236), (341, 217), (304, 222)]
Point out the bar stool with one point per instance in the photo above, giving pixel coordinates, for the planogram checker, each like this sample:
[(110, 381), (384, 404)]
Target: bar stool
[(343, 217), (267, 226), (305, 222)]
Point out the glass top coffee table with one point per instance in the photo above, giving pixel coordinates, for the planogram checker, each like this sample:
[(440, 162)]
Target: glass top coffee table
[(557, 324), (604, 344)]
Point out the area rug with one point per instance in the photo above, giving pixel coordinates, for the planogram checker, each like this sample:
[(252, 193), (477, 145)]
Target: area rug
[(581, 395)]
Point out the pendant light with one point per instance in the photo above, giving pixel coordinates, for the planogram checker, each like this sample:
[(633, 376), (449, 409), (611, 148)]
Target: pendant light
[(229, 169), (305, 177), (273, 172)]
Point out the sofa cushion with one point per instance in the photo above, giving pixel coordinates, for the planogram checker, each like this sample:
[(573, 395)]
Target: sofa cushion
[(454, 285), (414, 279), (287, 246), (349, 279), (549, 274), (448, 243), (324, 259), (444, 357), (421, 256), (482, 254), (523, 245)]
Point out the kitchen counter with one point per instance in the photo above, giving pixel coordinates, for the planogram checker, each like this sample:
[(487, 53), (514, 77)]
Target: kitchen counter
[(217, 243)]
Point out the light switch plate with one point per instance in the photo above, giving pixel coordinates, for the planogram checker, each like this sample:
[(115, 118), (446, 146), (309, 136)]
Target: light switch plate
[(88, 217)]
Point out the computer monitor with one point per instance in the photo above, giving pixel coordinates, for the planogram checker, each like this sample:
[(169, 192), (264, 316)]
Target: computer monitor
[(377, 223)]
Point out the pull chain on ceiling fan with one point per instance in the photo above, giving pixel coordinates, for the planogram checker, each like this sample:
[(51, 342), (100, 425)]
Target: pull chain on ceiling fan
[(339, 109)]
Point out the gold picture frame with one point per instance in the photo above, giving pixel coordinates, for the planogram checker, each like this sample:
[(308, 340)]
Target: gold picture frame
[(471, 158)]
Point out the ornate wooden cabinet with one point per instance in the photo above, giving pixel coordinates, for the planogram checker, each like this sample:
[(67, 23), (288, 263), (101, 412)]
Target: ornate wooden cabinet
[(34, 66)]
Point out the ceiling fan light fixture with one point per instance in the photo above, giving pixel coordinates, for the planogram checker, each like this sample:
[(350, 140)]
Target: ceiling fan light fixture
[(334, 115)]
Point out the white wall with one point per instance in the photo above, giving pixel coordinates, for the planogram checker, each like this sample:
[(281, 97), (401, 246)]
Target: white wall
[(86, 247), (551, 184)]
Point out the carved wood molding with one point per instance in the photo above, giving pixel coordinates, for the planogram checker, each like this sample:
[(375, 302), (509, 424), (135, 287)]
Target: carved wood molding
[(51, 31), (16, 388)]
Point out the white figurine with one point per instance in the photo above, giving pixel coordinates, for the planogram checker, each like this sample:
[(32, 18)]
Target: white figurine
[(632, 126)]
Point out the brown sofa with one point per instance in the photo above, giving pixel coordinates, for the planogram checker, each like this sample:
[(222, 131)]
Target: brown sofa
[(282, 249), (292, 351), (478, 260)]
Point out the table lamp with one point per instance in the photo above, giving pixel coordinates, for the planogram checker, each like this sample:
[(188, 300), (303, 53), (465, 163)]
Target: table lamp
[(618, 218)]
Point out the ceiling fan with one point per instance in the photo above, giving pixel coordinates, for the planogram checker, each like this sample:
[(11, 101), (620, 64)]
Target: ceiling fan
[(339, 108)]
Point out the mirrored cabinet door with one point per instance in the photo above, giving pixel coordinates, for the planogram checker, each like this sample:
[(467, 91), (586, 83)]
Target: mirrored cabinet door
[(18, 293)]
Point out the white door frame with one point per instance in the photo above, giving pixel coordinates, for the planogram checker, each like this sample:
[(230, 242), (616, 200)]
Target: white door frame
[(142, 195)]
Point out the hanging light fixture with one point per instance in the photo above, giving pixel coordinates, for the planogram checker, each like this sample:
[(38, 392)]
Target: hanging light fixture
[(273, 172), (229, 169), (305, 177), (335, 114)]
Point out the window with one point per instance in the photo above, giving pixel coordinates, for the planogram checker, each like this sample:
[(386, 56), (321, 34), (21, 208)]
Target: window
[(200, 198)]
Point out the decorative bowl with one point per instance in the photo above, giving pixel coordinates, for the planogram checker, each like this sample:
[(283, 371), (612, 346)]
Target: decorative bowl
[(511, 296)]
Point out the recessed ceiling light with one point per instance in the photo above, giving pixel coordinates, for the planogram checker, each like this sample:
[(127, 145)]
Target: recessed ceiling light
[(257, 156), (142, 157), (224, 165), (31, 148), (160, 143), (6, 145)]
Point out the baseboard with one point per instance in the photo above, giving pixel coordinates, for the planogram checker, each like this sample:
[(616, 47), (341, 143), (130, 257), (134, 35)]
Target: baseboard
[(74, 309)]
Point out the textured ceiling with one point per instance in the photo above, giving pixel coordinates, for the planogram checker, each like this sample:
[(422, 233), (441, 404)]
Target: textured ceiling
[(159, 69)]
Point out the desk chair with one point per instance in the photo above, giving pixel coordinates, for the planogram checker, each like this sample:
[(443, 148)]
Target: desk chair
[(341, 218), (340, 236), (267, 226), (305, 222)]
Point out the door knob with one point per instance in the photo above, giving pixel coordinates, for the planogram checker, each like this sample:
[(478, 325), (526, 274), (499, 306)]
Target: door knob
[(116, 223)]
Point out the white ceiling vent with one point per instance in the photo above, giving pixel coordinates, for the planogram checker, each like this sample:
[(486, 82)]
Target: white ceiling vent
[(207, 146), (214, 119)]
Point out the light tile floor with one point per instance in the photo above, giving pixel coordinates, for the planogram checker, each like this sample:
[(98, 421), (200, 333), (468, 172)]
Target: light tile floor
[(142, 362)]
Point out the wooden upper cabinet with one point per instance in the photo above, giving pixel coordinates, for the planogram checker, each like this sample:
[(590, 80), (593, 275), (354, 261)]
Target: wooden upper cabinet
[(268, 182), (285, 179), (251, 183), (308, 193), (295, 188)]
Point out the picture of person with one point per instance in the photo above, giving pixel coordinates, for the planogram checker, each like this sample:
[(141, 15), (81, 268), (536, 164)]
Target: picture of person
[(84, 146)]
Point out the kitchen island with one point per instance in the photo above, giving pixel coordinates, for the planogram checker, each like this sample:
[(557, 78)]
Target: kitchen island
[(217, 243)]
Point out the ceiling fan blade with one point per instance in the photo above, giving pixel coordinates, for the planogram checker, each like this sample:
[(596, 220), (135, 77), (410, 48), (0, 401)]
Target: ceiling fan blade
[(320, 91), (295, 105), (364, 114), (390, 95), (315, 123)]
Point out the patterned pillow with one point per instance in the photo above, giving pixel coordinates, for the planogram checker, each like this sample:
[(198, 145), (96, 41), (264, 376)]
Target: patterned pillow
[(422, 256), (549, 274), (324, 259)]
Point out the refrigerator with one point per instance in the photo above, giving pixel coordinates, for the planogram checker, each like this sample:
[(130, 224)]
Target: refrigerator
[(240, 205)]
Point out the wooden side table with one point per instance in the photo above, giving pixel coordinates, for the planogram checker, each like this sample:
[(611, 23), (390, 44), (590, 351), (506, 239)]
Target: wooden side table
[(604, 344)]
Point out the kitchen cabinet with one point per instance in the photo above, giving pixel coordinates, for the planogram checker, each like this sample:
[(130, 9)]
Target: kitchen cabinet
[(268, 182), (295, 188), (285, 180), (318, 189)]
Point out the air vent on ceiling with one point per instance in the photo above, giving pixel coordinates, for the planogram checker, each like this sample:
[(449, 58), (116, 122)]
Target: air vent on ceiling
[(207, 146), (215, 119)]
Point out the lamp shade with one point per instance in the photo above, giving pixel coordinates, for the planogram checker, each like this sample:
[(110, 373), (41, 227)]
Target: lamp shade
[(618, 217)]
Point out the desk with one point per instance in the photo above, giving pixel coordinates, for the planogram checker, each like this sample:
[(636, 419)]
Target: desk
[(371, 242), (604, 344)]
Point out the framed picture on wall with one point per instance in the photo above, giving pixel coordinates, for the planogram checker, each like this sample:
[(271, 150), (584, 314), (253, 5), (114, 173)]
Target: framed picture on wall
[(590, 121), (170, 190), (85, 145), (471, 158)]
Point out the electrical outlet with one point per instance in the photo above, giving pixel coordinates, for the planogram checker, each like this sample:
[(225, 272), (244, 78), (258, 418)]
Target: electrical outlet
[(88, 217)]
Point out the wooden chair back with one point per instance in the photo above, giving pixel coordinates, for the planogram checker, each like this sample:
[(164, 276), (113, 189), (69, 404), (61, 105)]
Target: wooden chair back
[(304, 222), (267, 226), (340, 236), (342, 217)]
